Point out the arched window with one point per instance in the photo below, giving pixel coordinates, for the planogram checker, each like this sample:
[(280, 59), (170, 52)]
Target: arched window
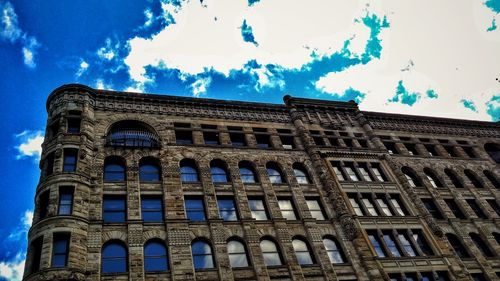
[(189, 171), (202, 255), (155, 256), (114, 169), (300, 173), (302, 252), (454, 178), (132, 134), (473, 179), (218, 171), (149, 170), (114, 257), (493, 150), (481, 245), (433, 179), (274, 173), (411, 177), (237, 254), (333, 250), (457, 246), (270, 252), (491, 177), (247, 172)]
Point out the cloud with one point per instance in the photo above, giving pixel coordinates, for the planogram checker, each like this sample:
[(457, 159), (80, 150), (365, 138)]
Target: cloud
[(251, 2), (493, 108), (12, 269), (493, 26), (82, 68), (30, 144), (199, 87), (431, 94), (108, 52), (404, 96), (469, 104), (246, 33)]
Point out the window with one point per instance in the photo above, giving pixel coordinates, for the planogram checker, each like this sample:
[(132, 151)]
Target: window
[(391, 147), (65, 200), (287, 142), (385, 208), (48, 164), (53, 127), (478, 277), (132, 134), (155, 256), (183, 134), (391, 245), (73, 125), (302, 252), (374, 240), (43, 204), (60, 250), (189, 172), (211, 138), (36, 250), (195, 208), (433, 179), (333, 250), (475, 207), (270, 253), (237, 139), (218, 172), (152, 209), (262, 141), (469, 151), (114, 169), (315, 209), (258, 209), (70, 155), (406, 244), (338, 171), (363, 169), (400, 211), (351, 173), (457, 246), (300, 174), (450, 150), (237, 254), (355, 206), (493, 204), (227, 209), (149, 170), (455, 209), (369, 207), (274, 173), (493, 151), (411, 149), (202, 255), (419, 238), (491, 177), (411, 177), (247, 173), (473, 179), (114, 257), (431, 150), (377, 171), (114, 209), (432, 208), (454, 178), (287, 209), (481, 245)]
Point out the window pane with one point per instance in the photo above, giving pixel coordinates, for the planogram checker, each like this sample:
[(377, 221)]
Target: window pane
[(376, 245), (149, 172), (369, 206), (195, 209), (189, 174), (152, 209), (302, 252), (155, 257), (257, 209), (218, 174), (114, 258), (315, 209), (270, 253), (65, 202), (391, 245), (202, 255), (247, 175), (301, 176), (227, 209), (287, 209), (237, 254), (406, 245), (114, 210)]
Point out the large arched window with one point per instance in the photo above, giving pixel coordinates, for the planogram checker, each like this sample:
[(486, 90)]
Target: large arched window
[(270, 252), (274, 173), (237, 253), (202, 255), (433, 179), (481, 245), (189, 171), (302, 251), (333, 250), (218, 171), (155, 256), (114, 169), (473, 179), (491, 177), (301, 173), (457, 246), (457, 182), (132, 134), (247, 172), (493, 150), (149, 170), (114, 257), (411, 177)]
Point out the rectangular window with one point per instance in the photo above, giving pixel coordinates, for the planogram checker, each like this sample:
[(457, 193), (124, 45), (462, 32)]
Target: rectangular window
[(183, 137), (363, 169), (49, 164), (391, 245), (432, 208), (411, 149), (258, 209), (338, 171), (356, 207), (318, 141), (66, 200), (287, 142), (369, 207), (363, 143), (152, 209), (60, 249), (334, 142), (70, 156), (315, 208), (400, 211), (73, 125), (455, 209), (377, 171), (195, 208), (263, 141), (114, 209), (227, 209), (451, 151), (385, 208), (287, 209), (211, 138), (391, 147), (418, 237), (237, 139), (351, 173), (43, 205), (406, 244), (36, 249), (469, 151), (477, 210), (374, 240), (493, 204), (431, 150)]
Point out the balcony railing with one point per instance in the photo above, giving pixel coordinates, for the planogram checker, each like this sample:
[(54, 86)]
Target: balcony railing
[(132, 137)]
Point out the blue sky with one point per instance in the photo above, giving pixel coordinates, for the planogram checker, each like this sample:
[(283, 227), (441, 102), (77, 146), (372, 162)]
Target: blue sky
[(438, 58)]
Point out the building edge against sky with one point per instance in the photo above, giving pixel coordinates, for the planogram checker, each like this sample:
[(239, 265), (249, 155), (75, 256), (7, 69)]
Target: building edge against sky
[(145, 187)]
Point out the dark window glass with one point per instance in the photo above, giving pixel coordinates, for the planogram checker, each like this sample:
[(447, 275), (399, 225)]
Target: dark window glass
[(411, 149), (491, 177), (469, 151), (237, 139), (457, 246), (195, 209), (432, 208), (302, 252), (287, 142), (433, 179), (218, 172), (477, 210), (391, 148), (411, 177), (74, 125), (374, 240), (149, 170), (348, 142), (237, 254), (132, 134), (49, 164), (473, 179), (183, 137), (334, 251), (432, 151), (202, 255), (478, 277), (493, 204), (114, 257), (60, 250), (227, 209), (211, 138), (493, 151), (36, 249), (70, 156), (258, 209), (114, 210), (152, 209), (454, 208), (270, 253), (263, 141), (319, 141), (422, 243), (65, 200), (391, 245), (155, 256), (247, 174), (189, 172), (43, 204), (114, 169), (451, 151), (454, 178), (481, 245)]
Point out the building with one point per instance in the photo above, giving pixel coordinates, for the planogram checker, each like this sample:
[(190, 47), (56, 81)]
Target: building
[(153, 187)]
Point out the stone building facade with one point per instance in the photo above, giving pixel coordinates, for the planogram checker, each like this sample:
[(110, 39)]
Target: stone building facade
[(153, 187)]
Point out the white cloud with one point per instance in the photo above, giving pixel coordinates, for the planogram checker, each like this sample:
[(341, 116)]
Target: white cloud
[(13, 269), (30, 144), (149, 17), (199, 87), (10, 27), (82, 68), (108, 52)]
